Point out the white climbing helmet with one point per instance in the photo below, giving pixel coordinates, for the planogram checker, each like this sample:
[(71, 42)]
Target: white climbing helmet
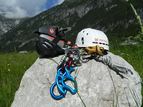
[(91, 37)]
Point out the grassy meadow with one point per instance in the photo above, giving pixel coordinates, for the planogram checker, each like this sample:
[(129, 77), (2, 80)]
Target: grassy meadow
[(13, 66)]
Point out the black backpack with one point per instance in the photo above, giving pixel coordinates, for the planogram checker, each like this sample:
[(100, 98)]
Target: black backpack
[(48, 48)]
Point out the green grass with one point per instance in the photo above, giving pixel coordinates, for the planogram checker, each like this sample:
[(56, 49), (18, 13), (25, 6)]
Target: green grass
[(131, 53), (13, 66)]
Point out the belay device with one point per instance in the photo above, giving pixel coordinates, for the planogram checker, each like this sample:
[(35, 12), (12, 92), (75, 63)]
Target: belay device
[(64, 71)]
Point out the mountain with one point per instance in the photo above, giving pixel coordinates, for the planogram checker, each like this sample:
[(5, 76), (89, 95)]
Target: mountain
[(6, 24), (115, 17)]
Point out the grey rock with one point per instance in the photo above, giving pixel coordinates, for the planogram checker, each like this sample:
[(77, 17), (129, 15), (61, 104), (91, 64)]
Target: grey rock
[(98, 85), (7, 24)]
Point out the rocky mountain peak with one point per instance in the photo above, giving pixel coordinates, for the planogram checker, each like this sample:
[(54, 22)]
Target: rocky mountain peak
[(6, 24)]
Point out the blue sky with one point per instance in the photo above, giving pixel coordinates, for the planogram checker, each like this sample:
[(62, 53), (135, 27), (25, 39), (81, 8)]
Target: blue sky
[(51, 3), (24, 8)]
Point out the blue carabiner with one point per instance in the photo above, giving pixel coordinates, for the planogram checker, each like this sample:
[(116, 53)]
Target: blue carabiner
[(56, 97), (72, 90), (68, 73), (59, 82), (61, 78)]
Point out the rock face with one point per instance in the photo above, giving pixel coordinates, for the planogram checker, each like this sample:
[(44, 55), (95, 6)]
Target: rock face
[(98, 85), (6, 24)]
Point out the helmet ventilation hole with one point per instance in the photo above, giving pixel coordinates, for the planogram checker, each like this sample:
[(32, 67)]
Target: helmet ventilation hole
[(82, 40)]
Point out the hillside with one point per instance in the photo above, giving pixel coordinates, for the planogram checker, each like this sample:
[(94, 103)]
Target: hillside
[(6, 24), (113, 17)]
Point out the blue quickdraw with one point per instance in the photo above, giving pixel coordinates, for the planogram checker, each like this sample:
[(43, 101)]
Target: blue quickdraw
[(63, 75)]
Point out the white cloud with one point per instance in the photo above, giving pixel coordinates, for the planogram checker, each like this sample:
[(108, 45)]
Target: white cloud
[(21, 8), (24, 8), (17, 12)]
